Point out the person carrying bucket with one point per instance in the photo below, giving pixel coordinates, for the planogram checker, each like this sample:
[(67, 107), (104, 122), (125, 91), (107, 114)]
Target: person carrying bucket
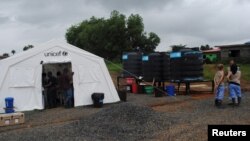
[(219, 85)]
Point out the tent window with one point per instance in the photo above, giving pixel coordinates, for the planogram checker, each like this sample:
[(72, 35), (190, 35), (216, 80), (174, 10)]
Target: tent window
[(89, 75), (22, 77)]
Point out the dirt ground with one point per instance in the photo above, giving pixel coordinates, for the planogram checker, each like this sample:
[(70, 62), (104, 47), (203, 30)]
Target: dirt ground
[(199, 113), (191, 113)]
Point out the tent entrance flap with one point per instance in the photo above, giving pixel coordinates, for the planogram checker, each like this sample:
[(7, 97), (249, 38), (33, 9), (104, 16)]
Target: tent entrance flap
[(57, 83)]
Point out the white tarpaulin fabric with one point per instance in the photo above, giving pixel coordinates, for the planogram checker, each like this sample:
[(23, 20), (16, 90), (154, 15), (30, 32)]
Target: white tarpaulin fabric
[(21, 75), (89, 75)]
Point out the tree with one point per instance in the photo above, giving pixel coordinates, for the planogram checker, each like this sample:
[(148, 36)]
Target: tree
[(13, 51), (27, 47), (6, 55), (177, 47), (135, 29), (149, 42), (109, 37), (138, 38), (205, 47)]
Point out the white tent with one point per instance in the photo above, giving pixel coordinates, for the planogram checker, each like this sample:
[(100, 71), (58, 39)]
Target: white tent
[(21, 75)]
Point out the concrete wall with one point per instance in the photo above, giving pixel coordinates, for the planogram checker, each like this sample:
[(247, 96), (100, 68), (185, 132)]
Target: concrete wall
[(244, 54)]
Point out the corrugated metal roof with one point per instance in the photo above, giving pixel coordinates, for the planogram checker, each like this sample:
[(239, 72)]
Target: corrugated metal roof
[(235, 45), (211, 50)]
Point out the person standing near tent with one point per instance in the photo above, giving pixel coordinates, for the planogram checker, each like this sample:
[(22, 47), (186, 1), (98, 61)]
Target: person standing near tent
[(219, 85), (66, 85), (51, 92), (44, 90), (59, 92), (233, 77), (72, 87)]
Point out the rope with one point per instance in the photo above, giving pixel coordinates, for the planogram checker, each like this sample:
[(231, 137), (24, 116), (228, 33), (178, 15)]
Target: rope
[(147, 83)]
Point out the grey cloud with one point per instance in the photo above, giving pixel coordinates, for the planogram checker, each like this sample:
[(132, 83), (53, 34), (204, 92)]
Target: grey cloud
[(4, 19), (212, 23), (52, 12), (136, 4), (188, 22)]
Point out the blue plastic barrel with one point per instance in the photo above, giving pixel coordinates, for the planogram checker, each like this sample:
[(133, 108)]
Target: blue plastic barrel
[(170, 90), (9, 110), (9, 102)]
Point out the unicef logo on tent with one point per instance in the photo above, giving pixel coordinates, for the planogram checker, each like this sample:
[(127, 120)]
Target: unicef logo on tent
[(64, 53), (56, 54)]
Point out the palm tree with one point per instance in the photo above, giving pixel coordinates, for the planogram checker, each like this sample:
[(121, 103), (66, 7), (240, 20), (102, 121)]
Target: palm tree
[(6, 55), (177, 47), (27, 47), (13, 51)]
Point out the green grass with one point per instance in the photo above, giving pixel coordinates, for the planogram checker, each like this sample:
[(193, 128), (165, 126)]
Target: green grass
[(114, 66), (245, 71), (210, 69)]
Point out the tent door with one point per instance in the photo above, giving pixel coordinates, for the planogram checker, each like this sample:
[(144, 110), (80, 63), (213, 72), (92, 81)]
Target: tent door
[(54, 87)]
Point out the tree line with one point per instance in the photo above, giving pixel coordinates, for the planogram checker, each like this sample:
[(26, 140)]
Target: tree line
[(14, 51), (110, 37)]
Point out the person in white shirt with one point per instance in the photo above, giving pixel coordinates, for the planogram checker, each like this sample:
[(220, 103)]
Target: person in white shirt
[(219, 85), (233, 77)]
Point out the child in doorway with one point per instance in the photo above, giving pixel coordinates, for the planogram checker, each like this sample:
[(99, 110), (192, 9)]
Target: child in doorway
[(219, 85)]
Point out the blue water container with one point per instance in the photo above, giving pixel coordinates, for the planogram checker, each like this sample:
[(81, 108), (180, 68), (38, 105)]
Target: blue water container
[(9, 102), (170, 90), (9, 110)]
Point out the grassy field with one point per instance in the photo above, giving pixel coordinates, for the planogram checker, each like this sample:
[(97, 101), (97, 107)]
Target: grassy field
[(114, 66), (245, 71), (209, 70)]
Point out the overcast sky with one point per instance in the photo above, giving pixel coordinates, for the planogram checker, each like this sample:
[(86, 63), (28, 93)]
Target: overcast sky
[(187, 22)]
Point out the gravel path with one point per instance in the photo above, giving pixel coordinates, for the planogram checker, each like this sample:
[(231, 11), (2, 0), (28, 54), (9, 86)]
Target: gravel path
[(125, 121), (195, 115), (143, 117)]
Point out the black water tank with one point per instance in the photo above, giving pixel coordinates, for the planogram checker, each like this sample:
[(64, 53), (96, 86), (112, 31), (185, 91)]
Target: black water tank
[(152, 67), (175, 65), (131, 62), (192, 62), (186, 65), (165, 66)]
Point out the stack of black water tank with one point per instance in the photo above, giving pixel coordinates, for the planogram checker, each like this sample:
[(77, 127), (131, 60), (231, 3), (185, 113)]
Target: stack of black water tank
[(186, 65), (131, 64), (165, 66), (175, 66), (152, 67), (192, 65)]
